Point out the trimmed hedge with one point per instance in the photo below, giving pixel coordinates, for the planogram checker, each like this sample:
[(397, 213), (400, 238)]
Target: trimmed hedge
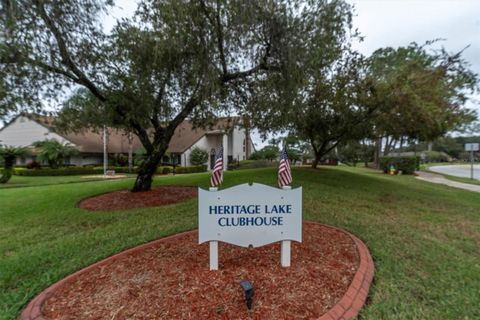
[(436, 156), (69, 171), (408, 165), (164, 169), (72, 171), (192, 169), (254, 164)]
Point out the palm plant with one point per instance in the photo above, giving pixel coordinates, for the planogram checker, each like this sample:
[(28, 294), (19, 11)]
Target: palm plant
[(9, 154), (54, 152)]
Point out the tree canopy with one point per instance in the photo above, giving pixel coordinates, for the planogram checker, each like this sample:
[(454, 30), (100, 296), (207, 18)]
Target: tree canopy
[(423, 92), (172, 60)]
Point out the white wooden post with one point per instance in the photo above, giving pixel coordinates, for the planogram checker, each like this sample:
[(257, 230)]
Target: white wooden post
[(285, 247), (213, 248), (285, 253), (213, 255)]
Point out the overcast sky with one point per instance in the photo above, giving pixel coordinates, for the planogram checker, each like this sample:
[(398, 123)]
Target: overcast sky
[(398, 22)]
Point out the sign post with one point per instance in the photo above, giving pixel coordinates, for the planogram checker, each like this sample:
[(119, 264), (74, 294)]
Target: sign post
[(213, 248), (250, 216), (472, 147)]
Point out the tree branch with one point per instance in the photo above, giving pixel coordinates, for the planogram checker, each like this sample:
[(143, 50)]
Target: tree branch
[(64, 54), (187, 109)]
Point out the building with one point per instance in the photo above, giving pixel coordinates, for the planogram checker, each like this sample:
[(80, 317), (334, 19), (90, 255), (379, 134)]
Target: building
[(24, 130)]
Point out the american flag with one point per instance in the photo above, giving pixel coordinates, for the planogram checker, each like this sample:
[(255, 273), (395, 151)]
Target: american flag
[(217, 173), (284, 172)]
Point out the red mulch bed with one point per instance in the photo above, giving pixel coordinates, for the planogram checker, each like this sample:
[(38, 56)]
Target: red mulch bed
[(119, 200), (171, 280)]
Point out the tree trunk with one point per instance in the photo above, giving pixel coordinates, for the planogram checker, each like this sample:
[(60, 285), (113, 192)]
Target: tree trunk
[(378, 151), (316, 161), (144, 179), (7, 169), (8, 162)]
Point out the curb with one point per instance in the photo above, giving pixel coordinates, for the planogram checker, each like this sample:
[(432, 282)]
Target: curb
[(348, 306)]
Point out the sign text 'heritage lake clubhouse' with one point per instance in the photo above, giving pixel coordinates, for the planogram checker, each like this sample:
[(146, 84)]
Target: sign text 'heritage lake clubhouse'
[(250, 215)]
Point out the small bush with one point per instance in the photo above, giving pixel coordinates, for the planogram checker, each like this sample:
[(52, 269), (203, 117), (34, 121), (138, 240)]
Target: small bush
[(436, 156), (192, 169), (408, 165), (233, 165), (164, 169), (198, 156), (5, 175)]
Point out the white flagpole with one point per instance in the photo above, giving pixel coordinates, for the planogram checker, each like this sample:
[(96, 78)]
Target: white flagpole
[(105, 151)]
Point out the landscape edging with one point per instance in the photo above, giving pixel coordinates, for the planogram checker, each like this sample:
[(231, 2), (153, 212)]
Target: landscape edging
[(348, 306)]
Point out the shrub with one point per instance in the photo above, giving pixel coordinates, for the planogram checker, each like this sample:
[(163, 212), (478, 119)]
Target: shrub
[(408, 165), (233, 165), (253, 164), (5, 175), (164, 169), (119, 160), (436, 156), (192, 169), (69, 171), (198, 156), (33, 165), (257, 155)]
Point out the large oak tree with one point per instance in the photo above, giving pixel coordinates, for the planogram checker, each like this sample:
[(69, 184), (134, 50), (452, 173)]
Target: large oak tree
[(174, 59)]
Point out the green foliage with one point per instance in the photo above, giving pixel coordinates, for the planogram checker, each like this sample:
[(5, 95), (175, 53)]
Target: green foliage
[(198, 156), (256, 155), (9, 154), (436, 156), (118, 160), (408, 165), (269, 152), (421, 93), (164, 169), (253, 164), (54, 152), (170, 61), (6, 174), (66, 171), (191, 169), (355, 151)]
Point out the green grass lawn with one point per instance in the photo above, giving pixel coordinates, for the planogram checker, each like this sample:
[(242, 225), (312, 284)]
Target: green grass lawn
[(25, 181), (424, 238)]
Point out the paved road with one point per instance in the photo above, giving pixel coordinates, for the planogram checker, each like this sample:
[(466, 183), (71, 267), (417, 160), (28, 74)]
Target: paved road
[(439, 179), (462, 170)]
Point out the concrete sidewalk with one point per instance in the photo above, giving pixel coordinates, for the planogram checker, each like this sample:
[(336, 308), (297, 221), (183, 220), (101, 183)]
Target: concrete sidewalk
[(439, 179)]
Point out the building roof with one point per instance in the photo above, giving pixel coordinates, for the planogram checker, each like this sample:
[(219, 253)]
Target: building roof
[(90, 141)]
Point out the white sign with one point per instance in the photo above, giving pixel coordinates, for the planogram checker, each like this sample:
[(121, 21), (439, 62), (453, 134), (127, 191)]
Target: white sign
[(250, 215), (472, 146)]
